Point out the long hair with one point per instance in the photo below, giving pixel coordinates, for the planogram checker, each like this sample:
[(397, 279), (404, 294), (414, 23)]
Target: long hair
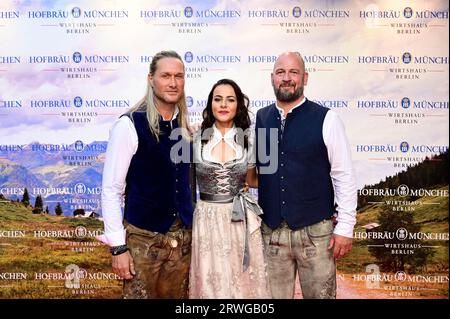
[(147, 103), (242, 118)]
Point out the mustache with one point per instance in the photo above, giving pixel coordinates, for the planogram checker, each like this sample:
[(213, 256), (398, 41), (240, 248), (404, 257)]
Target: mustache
[(290, 84)]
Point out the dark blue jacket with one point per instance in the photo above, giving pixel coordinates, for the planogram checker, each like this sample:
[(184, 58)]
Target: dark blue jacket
[(157, 189), (301, 190)]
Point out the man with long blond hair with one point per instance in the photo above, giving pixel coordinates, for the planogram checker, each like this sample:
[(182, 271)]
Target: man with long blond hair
[(150, 243)]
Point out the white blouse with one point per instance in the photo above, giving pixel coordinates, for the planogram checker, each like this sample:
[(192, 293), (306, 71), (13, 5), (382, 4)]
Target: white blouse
[(229, 139)]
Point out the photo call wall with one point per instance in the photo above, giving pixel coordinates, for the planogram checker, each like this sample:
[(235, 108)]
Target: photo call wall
[(69, 69)]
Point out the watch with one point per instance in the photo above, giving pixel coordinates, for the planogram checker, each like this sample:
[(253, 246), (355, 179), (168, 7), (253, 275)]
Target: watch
[(118, 250)]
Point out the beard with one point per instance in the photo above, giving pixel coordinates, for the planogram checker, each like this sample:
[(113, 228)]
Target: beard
[(284, 96)]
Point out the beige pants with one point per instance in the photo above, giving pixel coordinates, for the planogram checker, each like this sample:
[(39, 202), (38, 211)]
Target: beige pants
[(304, 251)]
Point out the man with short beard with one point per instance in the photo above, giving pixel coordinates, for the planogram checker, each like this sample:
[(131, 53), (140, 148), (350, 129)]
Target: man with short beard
[(314, 173)]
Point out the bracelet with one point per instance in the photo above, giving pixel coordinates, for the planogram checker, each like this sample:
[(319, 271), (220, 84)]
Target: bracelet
[(118, 250)]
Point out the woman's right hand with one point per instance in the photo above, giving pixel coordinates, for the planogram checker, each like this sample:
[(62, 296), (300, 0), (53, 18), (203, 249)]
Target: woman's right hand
[(123, 265)]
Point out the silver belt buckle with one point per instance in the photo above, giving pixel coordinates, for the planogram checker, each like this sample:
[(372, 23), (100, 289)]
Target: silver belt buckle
[(173, 243)]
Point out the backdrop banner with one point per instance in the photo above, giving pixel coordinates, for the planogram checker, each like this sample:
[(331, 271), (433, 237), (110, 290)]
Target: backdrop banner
[(69, 69)]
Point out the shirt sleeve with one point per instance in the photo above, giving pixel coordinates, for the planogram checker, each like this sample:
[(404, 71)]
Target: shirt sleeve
[(342, 174), (122, 145)]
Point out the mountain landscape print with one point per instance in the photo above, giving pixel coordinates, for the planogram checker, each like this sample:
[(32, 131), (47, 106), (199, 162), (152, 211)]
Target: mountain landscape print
[(60, 175)]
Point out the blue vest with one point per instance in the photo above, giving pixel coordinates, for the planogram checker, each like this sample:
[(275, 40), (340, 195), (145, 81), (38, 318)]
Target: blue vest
[(157, 189), (300, 191)]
